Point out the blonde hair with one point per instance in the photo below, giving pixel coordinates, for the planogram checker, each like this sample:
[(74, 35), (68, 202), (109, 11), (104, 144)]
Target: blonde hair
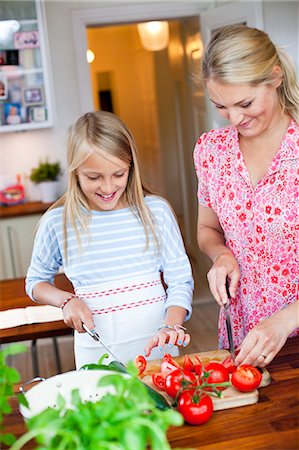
[(239, 54), (97, 132)]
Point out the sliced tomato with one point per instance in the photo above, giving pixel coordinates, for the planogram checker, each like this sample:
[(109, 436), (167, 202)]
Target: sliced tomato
[(167, 357), (246, 378), (166, 367), (159, 380), (197, 365), (228, 363), (188, 364), (217, 374), (195, 408), (140, 363), (177, 380)]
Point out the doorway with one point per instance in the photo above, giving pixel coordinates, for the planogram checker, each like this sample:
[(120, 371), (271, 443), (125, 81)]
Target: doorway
[(154, 93)]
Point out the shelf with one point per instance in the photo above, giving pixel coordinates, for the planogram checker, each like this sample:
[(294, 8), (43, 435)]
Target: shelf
[(26, 102)]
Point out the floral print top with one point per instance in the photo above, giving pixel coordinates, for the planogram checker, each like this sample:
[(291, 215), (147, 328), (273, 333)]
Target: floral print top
[(260, 225)]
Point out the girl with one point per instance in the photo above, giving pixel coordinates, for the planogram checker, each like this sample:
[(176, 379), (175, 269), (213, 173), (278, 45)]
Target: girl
[(248, 190), (114, 240)]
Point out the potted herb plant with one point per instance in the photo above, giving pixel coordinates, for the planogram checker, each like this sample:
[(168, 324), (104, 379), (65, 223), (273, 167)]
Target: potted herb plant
[(46, 175)]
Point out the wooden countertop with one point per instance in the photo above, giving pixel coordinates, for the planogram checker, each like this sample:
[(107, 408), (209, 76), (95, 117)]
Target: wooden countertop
[(24, 209), (270, 424)]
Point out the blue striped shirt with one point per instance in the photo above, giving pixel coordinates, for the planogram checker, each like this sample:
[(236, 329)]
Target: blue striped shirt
[(114, 249)]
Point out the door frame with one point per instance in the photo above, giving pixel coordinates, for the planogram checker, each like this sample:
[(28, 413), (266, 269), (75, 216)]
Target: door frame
[(116, 14)]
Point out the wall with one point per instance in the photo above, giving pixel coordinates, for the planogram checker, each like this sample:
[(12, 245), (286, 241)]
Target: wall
[(19, 152)]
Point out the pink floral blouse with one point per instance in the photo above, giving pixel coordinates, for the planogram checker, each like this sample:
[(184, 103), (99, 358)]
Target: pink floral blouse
[(260, 225)]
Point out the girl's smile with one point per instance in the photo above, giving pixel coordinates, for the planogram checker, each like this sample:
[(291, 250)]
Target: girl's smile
[(103, 179)]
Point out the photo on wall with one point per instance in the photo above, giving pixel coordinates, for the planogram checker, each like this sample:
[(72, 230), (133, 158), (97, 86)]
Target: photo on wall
[(3, 87)]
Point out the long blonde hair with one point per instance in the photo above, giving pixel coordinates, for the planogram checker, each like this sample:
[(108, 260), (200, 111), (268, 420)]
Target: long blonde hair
[(240, 54), (97, 132)]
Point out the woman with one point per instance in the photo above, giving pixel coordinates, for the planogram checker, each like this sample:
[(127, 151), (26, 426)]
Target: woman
[(248, 190)]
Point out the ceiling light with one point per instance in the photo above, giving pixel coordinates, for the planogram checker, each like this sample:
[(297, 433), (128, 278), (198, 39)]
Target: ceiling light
[(154, 35), (90, 56)]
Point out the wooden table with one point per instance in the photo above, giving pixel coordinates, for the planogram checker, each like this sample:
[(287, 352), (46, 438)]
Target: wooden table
[(270, 424), (12, 294)]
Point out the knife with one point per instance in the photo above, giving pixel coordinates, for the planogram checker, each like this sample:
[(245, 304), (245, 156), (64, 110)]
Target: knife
[(228, 323), (97, 338)]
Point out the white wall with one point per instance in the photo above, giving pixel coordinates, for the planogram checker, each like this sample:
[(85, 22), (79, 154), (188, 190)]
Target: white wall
[(19, 152)]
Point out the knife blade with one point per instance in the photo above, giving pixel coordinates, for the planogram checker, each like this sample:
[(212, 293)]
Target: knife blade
[(228, 323), (97, 338)]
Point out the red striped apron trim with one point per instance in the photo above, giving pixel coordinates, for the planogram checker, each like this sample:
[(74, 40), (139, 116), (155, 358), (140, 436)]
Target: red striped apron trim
[(129, 305), (120, 290)]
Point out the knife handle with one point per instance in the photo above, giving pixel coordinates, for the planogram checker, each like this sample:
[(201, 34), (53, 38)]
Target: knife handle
[(227, 289)]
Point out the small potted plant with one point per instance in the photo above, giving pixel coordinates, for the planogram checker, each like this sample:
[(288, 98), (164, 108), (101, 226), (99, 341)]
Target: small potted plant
[(46, 175)]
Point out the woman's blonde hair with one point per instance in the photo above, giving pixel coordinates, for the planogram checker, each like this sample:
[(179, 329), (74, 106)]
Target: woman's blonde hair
[(239, 54), (100, 132)]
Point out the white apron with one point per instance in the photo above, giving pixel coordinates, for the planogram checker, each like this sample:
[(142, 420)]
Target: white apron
[(126, 314)]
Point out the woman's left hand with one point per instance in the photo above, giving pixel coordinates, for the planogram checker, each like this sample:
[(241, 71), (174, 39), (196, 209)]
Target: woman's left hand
[(264, 341), (168, 336)]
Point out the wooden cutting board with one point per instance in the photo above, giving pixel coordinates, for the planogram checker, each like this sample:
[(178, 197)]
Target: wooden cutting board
[(231, 398)]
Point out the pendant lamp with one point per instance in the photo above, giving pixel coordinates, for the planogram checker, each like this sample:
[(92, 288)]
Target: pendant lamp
[(154, 35)]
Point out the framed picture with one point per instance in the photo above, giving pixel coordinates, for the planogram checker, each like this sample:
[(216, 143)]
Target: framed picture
[(3, 87), (9, 57), (26, 39), (12, 113), (37, 114), (33, 95)]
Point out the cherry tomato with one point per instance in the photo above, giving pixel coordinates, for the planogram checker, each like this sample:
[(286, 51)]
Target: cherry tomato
[(228, 363), (167, 357), (177, 379), (140, 363), (166, 367), (217, 374), (159, 380), (195, 408), (197, 365), (246, 378), (188, 364)]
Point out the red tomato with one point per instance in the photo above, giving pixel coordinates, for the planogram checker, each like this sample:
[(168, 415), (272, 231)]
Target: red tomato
[(197, 365), (167, 357), (217, 374), (177, 379), (159, 380), (228, 363), (246, 378), (140, 363), (166, 367), (196, 409), (188, 364)]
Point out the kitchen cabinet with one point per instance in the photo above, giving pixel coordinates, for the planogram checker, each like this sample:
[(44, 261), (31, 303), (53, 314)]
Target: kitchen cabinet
[(25, 94), (16, 243)]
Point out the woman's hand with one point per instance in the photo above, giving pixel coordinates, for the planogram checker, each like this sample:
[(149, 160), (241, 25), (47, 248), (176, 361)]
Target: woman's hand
[(224, 266), (76, 312), (172, 337), (264, 341)]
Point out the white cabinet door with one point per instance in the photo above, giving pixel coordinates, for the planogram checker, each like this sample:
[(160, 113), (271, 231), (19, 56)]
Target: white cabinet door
[(16, 243)]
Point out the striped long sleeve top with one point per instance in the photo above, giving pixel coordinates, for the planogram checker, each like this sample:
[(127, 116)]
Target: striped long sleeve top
[(114, 248)]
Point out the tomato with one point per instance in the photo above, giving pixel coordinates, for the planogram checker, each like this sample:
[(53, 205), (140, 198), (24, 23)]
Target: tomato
[(228, 363), (195, 408), (188, 364), (159, 380), (197, 365), (166, 367), (246, 378), (217, 374), (167, 357), (140, 363), (177, 379)]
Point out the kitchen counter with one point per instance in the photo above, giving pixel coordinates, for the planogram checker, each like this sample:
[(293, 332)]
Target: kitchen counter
[(24, 209), (270, 424)]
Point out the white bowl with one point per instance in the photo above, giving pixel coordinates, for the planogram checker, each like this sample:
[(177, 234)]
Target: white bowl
[(44, 395)]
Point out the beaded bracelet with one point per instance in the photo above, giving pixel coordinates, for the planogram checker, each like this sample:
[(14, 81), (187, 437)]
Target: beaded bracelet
[(176, 327), (68, 299)]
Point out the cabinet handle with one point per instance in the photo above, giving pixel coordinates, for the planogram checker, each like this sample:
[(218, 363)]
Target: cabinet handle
[(10, 244)]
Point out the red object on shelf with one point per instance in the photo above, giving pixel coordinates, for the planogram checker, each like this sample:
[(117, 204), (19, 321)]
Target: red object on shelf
[(12, 195)]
